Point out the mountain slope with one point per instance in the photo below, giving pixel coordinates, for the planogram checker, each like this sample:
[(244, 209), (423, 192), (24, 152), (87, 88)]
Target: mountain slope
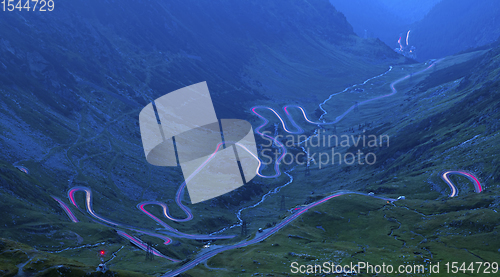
[(383, 19), (410, 11), (453, 26), (74, 80), (372, 16), (443, 119)]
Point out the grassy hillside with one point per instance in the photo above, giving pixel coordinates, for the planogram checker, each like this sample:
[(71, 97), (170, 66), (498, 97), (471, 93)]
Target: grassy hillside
[(362, 229), (444, 119), (74, 80)]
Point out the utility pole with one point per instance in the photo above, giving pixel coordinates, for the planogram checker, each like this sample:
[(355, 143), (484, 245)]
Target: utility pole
[(149, 252), (282, 204), (244, 230)]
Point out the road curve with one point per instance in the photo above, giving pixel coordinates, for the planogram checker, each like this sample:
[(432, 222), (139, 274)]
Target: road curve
[(66, 209), (297, 130), (180, 191), (265, 234), (90, 210), (454, 191), (23, 169), (139, 243)]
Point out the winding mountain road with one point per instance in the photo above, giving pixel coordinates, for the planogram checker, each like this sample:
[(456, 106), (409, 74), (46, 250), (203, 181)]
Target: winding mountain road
[(454, 191), (266, 233)]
